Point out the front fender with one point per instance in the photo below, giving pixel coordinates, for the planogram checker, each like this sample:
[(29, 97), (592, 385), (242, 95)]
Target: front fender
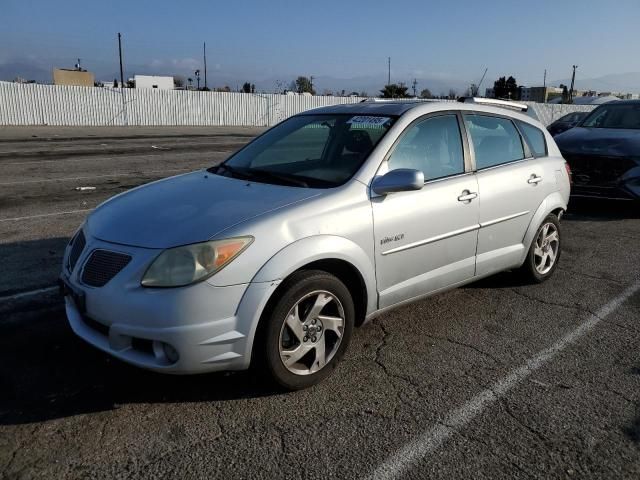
[(291, 258), (552, 202), (321, 247)]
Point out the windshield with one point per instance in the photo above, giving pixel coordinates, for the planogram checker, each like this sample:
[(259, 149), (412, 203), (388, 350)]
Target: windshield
[(572, 117), (614, 116), (317, 151)]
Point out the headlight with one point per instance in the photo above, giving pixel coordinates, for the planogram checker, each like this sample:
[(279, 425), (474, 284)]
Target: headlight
[(176, 267)]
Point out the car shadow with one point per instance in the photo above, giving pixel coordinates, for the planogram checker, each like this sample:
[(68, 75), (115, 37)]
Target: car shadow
[(46, 373), (595, 209), (633, 429), (508, 279)]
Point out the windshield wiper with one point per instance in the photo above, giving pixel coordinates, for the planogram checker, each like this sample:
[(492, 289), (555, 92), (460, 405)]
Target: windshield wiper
[(253, 174), (281, 177), (232, 170)]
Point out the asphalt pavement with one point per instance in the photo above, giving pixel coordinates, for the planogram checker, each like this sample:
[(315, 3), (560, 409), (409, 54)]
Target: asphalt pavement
[(498, 379)]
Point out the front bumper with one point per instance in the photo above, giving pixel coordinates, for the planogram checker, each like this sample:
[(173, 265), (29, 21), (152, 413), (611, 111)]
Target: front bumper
[(606, 193), (208, 328)]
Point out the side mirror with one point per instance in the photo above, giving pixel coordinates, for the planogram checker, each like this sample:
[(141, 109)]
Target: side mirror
[(399, 180)]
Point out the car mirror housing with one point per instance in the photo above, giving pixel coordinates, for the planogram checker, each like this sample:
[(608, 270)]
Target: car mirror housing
[(399, 180)]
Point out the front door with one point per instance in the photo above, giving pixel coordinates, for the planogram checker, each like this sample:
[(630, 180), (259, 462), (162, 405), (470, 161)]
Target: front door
[(426, 239)]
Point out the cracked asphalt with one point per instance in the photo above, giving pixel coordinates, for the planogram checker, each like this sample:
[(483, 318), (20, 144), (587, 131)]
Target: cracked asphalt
[(69, 411)]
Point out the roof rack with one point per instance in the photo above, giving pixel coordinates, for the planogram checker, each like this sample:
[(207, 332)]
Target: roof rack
[(396, 100), (495, 103)]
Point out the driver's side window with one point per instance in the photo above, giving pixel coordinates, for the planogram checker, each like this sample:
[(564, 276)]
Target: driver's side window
[(433, 146)]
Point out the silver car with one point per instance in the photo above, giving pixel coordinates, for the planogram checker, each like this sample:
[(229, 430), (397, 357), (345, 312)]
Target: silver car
[(328, 219)]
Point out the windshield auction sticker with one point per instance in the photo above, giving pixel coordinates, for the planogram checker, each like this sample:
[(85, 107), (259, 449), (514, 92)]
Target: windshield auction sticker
[(368, 120)]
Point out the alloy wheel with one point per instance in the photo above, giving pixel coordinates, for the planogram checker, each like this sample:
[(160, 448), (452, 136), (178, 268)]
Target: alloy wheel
[(311, 333), (546, 248)]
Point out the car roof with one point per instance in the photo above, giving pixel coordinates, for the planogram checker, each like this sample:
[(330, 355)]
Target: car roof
[(398, 108), (368, 108), (622, 102), (571, 114)]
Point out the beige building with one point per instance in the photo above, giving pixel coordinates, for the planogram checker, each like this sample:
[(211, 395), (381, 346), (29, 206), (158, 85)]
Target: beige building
[(539, 94), (62, 76)]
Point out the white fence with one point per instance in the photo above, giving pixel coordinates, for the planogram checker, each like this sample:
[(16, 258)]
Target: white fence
[(31, 104), (548, 112)]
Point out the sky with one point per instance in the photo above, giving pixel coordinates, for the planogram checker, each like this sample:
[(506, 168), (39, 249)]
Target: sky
[(263, 41)]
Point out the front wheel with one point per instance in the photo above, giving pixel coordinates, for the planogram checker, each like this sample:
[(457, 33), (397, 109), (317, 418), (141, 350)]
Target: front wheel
[(308, 330), (544, 252)]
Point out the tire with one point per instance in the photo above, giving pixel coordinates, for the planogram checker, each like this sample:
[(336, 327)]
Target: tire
[(544, 252), (314, 312)]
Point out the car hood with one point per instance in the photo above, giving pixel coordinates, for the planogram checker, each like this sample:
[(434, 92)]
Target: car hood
[(186, 209), (599, 141)]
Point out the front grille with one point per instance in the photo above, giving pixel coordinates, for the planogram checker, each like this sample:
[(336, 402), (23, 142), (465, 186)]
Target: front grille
[(598, 169), (77, 246), (102, 266)]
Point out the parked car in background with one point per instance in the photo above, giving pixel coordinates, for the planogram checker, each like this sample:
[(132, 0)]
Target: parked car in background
[(604, 152), (566, 122), (328, 219)]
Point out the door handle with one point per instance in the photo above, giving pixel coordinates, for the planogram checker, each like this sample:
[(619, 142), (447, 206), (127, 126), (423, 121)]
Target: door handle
[(534, 179), (467, 196)]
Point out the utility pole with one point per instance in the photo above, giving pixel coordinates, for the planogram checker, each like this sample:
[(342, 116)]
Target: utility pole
[(125, 116), (311, 82), (573, 81), (204, 54), (120, 53), (544, 81), (481, 80), (414, 85), (389, 71)]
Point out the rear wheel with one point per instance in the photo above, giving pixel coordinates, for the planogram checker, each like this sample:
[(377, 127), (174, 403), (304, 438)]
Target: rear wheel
[(308, 330), (544, 252)]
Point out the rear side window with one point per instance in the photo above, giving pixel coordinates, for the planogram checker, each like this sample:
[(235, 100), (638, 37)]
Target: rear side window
[(433, 146), (535, 139), (495, 140)]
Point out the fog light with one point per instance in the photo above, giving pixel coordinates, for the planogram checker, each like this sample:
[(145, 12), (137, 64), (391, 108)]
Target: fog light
[(170, 352)]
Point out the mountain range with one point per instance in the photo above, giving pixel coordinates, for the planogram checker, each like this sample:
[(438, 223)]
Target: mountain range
[(615, 82), (437, 84)]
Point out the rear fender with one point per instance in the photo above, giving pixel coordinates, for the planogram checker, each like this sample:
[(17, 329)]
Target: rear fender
[(552, 202)]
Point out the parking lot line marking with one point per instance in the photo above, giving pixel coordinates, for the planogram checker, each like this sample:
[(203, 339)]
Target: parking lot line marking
[(69, 212), (94, 176), (397, 465), (72, 159), (27, 294), (124, 157)]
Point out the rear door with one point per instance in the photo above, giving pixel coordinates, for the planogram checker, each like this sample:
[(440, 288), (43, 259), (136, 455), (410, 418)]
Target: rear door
[(512, 184), (426, 239)]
